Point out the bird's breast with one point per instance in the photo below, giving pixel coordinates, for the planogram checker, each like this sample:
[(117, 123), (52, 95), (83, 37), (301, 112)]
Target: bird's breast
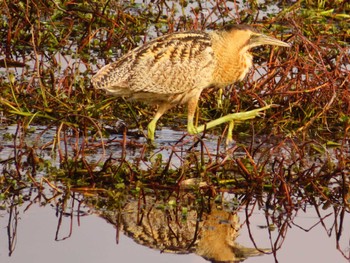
[(246, 62), (231, 69)]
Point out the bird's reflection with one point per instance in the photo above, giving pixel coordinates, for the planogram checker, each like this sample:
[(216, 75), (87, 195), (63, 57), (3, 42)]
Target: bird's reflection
[(180, 225)]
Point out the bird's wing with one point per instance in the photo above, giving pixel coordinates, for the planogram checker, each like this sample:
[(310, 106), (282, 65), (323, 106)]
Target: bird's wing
[(114, 77), (172, 64)]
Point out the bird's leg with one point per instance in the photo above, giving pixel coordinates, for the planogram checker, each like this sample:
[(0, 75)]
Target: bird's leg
[(231, 125), (192, 105), (219, 99), (151, 127), (238, 116)]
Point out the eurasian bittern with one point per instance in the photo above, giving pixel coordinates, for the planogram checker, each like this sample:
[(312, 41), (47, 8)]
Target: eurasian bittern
[(175, 68)]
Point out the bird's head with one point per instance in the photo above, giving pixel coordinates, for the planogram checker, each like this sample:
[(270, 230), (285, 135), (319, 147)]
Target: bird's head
[(232, 46), (251, 38)]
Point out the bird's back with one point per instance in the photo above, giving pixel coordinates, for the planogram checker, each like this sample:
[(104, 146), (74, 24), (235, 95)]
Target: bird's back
[(172, 64)]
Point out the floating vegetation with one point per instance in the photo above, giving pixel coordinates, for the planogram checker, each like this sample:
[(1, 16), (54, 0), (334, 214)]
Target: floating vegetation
[(65, 144)]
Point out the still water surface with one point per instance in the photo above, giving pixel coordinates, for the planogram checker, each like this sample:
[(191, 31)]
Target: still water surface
[(94, 240), (37, 230)]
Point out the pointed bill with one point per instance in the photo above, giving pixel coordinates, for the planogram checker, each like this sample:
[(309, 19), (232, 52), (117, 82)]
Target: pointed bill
[(260, 39)]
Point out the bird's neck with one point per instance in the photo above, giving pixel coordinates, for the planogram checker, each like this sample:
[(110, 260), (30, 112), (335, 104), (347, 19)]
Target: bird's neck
[(232, 59)]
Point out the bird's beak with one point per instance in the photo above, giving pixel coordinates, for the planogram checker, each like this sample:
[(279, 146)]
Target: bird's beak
[(260, 39)]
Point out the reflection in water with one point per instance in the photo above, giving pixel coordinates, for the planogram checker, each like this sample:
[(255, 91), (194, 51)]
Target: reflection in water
[(278, 179), (203, 229), (181, 224)]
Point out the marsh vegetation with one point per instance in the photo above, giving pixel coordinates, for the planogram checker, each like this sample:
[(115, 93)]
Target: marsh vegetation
[(67, 145)]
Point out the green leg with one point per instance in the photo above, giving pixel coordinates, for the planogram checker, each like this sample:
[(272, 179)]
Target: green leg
[(231, 125), (192, 105), (151, 127), (219, 100), (191, 129), (239, 116)]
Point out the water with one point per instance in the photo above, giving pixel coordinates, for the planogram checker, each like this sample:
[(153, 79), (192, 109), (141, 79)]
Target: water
[(94, 224), (287, 197), (94, 239)]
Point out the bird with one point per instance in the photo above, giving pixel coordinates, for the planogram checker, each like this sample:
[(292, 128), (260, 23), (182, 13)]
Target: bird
[(175, 68)]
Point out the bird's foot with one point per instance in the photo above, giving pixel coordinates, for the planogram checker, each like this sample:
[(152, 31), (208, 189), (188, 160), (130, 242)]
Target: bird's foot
[(151, 130), (247, 115), (191, 129), (238, 116)]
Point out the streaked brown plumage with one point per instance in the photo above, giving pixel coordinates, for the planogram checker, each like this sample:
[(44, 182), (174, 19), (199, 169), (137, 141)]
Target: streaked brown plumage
[(175, 68), (210, 231)]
